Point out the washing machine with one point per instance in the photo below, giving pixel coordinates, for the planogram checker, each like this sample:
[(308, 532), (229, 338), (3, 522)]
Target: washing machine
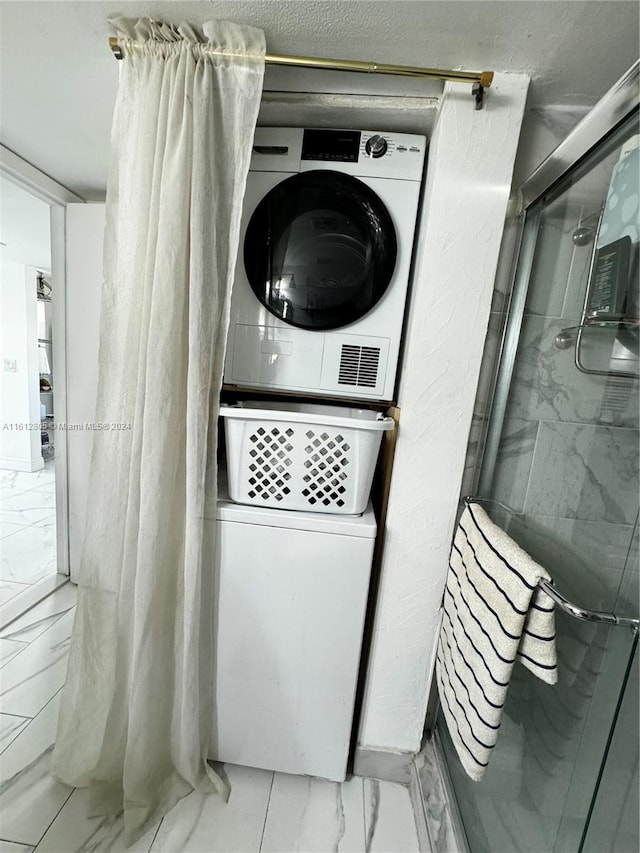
[(323, 269)]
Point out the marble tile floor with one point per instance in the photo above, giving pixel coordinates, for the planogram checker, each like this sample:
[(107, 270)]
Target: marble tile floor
[(27, 529), (268, 812)]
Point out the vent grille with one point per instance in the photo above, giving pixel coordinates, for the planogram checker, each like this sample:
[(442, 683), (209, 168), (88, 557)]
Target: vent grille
[(359, 366)]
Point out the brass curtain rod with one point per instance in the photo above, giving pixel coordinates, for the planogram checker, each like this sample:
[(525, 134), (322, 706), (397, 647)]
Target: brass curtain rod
[(480, 80)]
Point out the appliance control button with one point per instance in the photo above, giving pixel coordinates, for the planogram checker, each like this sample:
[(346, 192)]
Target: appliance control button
[(376, 146)]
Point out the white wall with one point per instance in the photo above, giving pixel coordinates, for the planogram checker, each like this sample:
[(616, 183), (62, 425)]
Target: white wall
[(469, 174), (20, 443), (84, 236)]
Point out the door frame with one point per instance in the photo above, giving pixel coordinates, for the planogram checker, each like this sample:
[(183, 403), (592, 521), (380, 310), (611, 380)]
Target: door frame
[(17, 170)]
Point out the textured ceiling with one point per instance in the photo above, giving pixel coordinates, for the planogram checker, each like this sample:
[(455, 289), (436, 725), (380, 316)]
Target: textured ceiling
[(58, 78)]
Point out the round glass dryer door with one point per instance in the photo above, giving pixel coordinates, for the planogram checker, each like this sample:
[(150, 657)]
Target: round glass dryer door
[(320, 250)]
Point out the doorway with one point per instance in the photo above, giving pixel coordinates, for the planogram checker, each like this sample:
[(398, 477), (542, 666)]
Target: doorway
[(30, 555)]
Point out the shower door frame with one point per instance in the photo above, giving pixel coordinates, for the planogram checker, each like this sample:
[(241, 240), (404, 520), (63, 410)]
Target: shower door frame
[(614, 109)]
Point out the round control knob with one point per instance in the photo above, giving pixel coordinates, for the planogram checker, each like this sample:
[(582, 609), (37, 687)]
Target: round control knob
[(376, 146)]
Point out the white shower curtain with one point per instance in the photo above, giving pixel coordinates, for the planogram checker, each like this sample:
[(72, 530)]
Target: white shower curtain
[(138, 702)]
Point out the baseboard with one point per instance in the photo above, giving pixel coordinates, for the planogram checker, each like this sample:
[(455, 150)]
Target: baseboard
[(29, 466), (32, 595), (382, 764)]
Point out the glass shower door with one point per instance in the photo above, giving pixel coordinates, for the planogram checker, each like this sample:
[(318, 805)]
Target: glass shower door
[(562, 460)]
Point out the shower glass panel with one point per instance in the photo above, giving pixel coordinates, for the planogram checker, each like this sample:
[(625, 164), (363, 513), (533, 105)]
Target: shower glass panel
[(565, 464), (614, 820)]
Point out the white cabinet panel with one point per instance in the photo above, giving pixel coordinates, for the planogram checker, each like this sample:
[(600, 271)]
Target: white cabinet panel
[(290, 614)]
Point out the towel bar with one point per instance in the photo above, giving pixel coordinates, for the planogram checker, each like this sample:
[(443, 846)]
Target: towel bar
[(563, 603), (584, 614)]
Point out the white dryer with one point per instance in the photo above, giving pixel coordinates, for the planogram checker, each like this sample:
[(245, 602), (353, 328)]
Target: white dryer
[(323, 269)]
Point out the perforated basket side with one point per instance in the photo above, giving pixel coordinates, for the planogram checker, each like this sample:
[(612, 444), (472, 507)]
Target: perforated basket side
[(269, 452), (328, 475)]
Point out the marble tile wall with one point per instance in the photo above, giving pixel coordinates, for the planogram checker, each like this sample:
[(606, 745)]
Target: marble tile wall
[(586, 472), (595, 565), (629, 590), (547, 385), (568, 455)]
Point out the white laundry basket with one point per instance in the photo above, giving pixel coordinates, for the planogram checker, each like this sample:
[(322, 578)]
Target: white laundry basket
[(302, 456)]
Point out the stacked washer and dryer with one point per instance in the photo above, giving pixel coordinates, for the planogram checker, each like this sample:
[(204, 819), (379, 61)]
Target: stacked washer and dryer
[(317, 312)]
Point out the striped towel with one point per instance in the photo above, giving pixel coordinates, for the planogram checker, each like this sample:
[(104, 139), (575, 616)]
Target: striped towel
[(494, 614)]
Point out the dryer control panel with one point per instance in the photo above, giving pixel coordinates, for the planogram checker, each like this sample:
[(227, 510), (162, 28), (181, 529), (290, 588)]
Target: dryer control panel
[(360, 153), (341, 146)]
